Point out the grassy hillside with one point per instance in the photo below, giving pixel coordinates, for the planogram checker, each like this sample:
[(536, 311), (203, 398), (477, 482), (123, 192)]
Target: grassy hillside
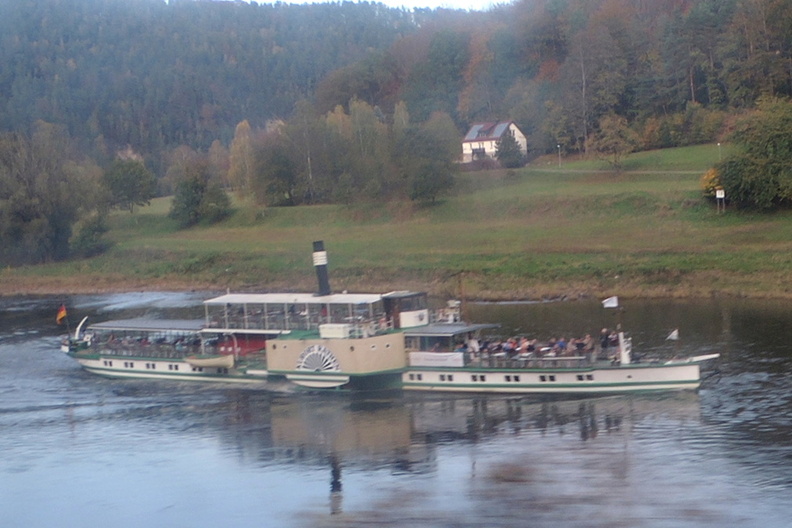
[(531, 233)]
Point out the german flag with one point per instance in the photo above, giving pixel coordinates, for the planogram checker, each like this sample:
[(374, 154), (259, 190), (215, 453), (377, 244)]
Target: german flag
[(61, 314)]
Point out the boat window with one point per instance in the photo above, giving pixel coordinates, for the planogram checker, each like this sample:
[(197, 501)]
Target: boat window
[(516, 378), (442, 377), (552, 378), (508, 378), (406, 303), (590, 377), (450, 377), (474, 377), (542, 378), (419, 376), (580, 377), (483, 377)]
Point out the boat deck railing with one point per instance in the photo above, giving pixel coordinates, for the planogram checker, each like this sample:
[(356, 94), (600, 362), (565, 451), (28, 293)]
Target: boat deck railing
[(501, 361), (136, 348), (298, 322), (537, 359)]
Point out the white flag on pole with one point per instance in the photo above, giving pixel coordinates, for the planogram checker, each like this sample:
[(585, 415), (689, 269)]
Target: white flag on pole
[(611, 302), (673, 336)]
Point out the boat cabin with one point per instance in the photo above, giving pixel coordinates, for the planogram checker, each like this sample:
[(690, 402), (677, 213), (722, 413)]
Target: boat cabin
[(172, 338), (339, 315), (443, 344)]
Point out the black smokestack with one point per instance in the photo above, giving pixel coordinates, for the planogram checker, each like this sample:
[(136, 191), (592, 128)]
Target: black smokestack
[(320, 263)]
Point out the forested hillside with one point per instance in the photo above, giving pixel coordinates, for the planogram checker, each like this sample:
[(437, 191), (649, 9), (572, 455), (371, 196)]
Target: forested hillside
[(104, 103), (156, 75)]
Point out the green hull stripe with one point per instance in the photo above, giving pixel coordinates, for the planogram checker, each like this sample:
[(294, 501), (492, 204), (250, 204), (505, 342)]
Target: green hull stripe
[(547, 385), (171, 374)]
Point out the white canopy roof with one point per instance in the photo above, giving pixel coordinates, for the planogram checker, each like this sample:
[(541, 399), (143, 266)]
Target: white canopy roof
[(294, 298)]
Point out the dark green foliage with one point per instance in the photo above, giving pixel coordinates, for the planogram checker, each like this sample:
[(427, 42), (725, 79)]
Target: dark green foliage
[(89, 241), (130, 184), (276, 180), (155, 74), (198, 199), (424, 166), (434, 84), (508, 152), (42, 195), (759, 175)]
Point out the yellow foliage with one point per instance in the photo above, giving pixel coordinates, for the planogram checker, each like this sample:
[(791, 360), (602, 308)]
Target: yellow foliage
[(710, 182)]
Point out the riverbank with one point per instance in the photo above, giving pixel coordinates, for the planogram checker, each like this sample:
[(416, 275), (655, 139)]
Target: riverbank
[(469, 286)]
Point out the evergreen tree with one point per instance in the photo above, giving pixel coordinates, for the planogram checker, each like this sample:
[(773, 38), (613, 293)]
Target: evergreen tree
[(198, 198), (508, 151), (130, 184)]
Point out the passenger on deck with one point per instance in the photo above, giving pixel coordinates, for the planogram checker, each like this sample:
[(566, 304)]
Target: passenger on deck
[(604, 342), (473, 344), (561, 345)]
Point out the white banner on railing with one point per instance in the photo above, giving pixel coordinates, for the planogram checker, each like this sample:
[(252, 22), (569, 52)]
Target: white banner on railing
[(437, 359)]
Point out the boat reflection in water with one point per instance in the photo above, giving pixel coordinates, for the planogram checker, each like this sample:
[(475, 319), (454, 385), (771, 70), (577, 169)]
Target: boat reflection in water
[(406, 435)]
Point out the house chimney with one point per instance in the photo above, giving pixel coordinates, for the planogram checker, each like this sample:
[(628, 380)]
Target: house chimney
[(320, 263)]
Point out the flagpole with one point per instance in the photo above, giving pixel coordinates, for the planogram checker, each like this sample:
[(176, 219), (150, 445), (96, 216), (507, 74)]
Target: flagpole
[(66, 318)]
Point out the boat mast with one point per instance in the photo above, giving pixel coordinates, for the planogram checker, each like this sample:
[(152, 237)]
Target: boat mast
[(320, 263)]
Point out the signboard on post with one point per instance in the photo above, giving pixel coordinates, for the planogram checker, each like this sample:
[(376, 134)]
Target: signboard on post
[(720, 199)]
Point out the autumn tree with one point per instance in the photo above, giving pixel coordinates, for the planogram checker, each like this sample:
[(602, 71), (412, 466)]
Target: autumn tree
[(241, 159), (614, 140)]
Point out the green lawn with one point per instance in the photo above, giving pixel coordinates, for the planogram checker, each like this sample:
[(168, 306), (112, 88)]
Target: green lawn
[(533, 232)]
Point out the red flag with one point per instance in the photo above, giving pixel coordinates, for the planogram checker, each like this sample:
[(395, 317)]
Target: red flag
[(61, 314)]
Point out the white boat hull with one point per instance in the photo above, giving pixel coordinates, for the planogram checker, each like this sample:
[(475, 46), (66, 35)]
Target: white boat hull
[(141, 368), (318, 381), (226, 361), (606, 380)]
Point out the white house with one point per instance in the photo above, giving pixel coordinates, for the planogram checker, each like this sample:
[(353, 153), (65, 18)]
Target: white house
[(481, 140)]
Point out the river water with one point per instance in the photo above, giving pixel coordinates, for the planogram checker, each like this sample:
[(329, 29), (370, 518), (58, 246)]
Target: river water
[(79, 450)]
